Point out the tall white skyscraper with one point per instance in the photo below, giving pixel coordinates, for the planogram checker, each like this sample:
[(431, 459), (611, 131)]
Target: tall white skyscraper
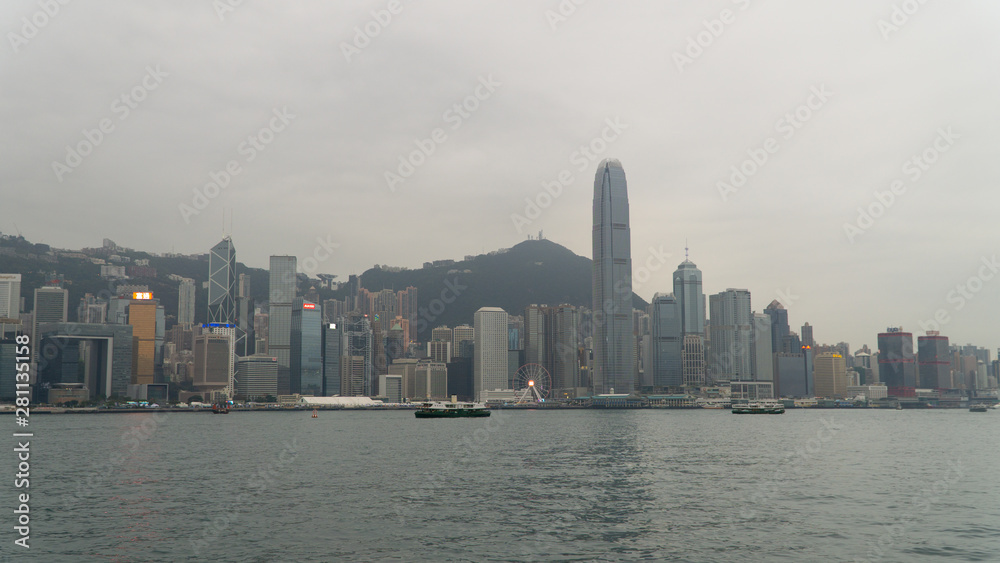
[(10, 296), (614, 350), (490, 363), (185, 302)]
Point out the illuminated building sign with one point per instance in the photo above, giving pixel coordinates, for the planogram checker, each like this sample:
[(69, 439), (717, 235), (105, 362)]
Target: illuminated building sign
[(308, 306), (142, 295), (333, 326)]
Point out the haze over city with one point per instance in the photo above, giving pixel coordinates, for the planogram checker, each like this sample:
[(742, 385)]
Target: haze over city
[(475, 108)]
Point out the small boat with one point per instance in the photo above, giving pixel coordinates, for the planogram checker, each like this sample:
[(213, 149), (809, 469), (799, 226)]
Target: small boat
[(712, 405), (759, 407), (977, 408), (451, 410), (220, 408), (315, 413)]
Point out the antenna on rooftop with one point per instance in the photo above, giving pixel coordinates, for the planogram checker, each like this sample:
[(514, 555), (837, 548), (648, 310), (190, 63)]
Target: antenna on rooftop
[(685, 248)]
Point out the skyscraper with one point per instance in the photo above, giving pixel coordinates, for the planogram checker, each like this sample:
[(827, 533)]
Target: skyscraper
[(306, 347), (612, 282), (665, 357), (333, 342), (779, 327), (763, 357), (459, 334), (142, 318), (282, 292), (807, 335), (490, 363), (690, 300), (406, 307), (830, 375), (731, 328), (897, 368), (10, 296), (222, 283), (51, 306), (934, 361), (185, 302)]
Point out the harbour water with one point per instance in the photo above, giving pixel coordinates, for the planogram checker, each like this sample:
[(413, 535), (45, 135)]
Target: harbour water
[(525, 485)]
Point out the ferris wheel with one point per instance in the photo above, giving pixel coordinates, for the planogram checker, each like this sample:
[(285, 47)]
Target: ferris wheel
[(532, 384)]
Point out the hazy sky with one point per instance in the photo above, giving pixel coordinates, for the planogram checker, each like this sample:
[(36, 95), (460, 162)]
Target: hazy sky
[(311, 104)]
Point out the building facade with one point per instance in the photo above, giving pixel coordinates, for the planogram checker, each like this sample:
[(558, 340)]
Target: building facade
[(490, 354), (222, 283), (614, 349)]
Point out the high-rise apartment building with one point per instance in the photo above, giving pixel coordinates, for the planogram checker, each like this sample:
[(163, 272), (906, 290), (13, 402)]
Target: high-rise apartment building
[(614, 350), (10, 296), (406, 307), (185, 302)]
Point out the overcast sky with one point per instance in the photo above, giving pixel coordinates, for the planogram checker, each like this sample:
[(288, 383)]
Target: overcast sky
[(839, 98)]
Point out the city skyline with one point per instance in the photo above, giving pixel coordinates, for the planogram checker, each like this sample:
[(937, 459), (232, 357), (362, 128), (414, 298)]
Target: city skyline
[(849, 120)]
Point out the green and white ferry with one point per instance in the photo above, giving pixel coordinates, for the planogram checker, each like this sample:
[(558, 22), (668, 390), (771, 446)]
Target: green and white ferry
[(759, 407), (438, 409)]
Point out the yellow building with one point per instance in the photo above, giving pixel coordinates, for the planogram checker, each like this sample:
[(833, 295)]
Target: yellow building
[(830, 375), (142, 317)]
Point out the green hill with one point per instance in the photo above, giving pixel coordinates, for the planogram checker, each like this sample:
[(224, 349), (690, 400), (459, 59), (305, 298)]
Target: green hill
[(532, 272)]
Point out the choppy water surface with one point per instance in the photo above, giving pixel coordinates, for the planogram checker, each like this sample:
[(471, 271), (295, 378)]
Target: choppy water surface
[(819, 485)]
